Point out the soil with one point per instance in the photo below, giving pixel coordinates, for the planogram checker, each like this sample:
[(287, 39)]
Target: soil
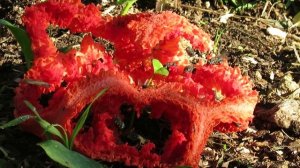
[(245, 43)]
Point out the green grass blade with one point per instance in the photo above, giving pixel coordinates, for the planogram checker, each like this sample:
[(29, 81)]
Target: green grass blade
[(245, 6), (16, 121), (37, 82), (59, 153), (129, 4), (66, 49), (65, 135), (83, 118), (23, 39), (296, 20), (217, 41), (120, 2), (32, 108), (50, 128)]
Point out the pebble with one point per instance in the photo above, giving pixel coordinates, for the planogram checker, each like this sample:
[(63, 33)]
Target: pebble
[(243, 150), (277, 137), (283, 114), (281, 164)]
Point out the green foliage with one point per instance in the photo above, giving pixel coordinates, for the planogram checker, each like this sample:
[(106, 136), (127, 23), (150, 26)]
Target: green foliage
[(159, 68), (245, 6), (37, 82), (128, 4), (53, 128), (218, 36), (54, 149), (289, 3), (65, 49), (83, 118), (16, 121), (296, 20), (120, 2), (23, 39), (6, 164), (49, 128), (239, 5), (59, 153)]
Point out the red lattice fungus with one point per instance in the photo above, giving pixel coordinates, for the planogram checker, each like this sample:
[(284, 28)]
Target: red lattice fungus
[(163, 125)]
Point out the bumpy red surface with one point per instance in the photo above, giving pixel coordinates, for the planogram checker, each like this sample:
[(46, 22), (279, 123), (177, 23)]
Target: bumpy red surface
[(192, 103)]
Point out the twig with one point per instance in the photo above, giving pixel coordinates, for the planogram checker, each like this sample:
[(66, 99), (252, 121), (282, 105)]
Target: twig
[(252, 36), (108, 10), (272, 9), (200, 9), (296, 53), (286, 134), (265, 8), (219, 13)]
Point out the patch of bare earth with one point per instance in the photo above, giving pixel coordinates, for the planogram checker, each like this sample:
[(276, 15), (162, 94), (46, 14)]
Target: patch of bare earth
[(273, 64)]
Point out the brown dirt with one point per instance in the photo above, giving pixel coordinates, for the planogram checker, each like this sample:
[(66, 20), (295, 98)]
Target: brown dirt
[(245, 43)]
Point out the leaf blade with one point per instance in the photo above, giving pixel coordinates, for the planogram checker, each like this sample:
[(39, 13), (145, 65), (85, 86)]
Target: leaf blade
[(37, 82), (16, 121), (59, 153), (43, 123), (83, 118), (156, 65), (296, 20), (23, 39), (163, 71)]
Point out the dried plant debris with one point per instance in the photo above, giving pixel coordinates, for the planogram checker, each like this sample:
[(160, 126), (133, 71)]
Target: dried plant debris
[(272, 65)]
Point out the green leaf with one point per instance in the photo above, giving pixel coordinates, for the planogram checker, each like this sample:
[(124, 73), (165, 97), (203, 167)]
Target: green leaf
[(65, 135), (51, 128), (23, 39), (37, 82), (245, 6), (296, 20), (156, 65), (235, 2), (32, 108), (45, 124), (6, 163), (163, 71), (2, 88), (65, 49), (158, 68), (120, 2), (83, 118), (59, 153), (129, 4), (16, 121)]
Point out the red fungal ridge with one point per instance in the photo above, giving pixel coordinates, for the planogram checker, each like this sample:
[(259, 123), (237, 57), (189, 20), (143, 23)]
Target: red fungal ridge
[(181, 111), (142, 37), (190, 105), (66, 14), (236, 97)]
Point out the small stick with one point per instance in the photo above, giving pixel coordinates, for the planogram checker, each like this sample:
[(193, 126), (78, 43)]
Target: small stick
[(296, 53)]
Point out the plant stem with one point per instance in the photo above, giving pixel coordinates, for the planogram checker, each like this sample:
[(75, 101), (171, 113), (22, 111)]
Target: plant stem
[(127, 7), (217, 40)]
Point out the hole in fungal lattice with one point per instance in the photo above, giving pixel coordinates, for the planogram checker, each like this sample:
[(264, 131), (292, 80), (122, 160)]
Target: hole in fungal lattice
[(44, 99), (138, 131)]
